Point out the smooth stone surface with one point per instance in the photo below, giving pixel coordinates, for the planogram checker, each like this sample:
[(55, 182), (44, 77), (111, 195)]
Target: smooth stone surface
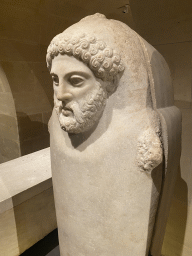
[(54, 252), (27, 211)]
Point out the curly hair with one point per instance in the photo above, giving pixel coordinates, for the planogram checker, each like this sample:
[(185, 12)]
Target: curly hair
[(104, 62)]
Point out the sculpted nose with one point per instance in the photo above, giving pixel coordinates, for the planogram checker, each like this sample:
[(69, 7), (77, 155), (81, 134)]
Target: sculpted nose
[(63, 94)]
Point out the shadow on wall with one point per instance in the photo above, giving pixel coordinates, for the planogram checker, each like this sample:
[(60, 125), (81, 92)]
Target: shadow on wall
[(33, 132), (176, 225), (43, 77), (9, 137)]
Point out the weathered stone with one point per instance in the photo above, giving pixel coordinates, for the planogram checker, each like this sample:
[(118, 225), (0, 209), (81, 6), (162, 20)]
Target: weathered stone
[(119, 146)]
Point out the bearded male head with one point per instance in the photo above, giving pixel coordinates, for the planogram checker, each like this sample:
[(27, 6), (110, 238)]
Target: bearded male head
[(84, 72), (79, 116)]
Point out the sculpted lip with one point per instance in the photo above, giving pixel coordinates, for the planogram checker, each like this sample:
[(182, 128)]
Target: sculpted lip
[(66, 111)]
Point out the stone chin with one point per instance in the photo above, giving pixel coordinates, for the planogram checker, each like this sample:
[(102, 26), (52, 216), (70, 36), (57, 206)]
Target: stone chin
[(83, 114)]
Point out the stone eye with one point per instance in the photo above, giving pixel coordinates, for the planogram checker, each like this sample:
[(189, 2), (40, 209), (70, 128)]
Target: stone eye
[(76, 80), (55, 80)]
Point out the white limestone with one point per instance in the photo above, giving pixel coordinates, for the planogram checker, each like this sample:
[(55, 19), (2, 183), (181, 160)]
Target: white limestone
[(27, 212), (113, 131)]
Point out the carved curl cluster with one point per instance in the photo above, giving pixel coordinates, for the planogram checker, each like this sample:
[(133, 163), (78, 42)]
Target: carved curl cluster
[(101, 59), (150, 152)]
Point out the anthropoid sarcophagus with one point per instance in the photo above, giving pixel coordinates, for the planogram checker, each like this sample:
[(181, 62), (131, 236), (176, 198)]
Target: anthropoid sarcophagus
[(115, 140)]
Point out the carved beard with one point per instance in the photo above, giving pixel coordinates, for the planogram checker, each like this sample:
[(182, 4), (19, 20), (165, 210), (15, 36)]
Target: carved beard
[(86, 111)]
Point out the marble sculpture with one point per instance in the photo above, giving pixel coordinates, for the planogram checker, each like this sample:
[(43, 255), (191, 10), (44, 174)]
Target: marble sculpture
[(115, 140)]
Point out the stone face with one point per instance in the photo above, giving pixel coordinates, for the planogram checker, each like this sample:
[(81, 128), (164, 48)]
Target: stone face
[(112, 131)]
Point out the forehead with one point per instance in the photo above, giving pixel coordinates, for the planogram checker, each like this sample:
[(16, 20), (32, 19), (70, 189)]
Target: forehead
[(64, 64)]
